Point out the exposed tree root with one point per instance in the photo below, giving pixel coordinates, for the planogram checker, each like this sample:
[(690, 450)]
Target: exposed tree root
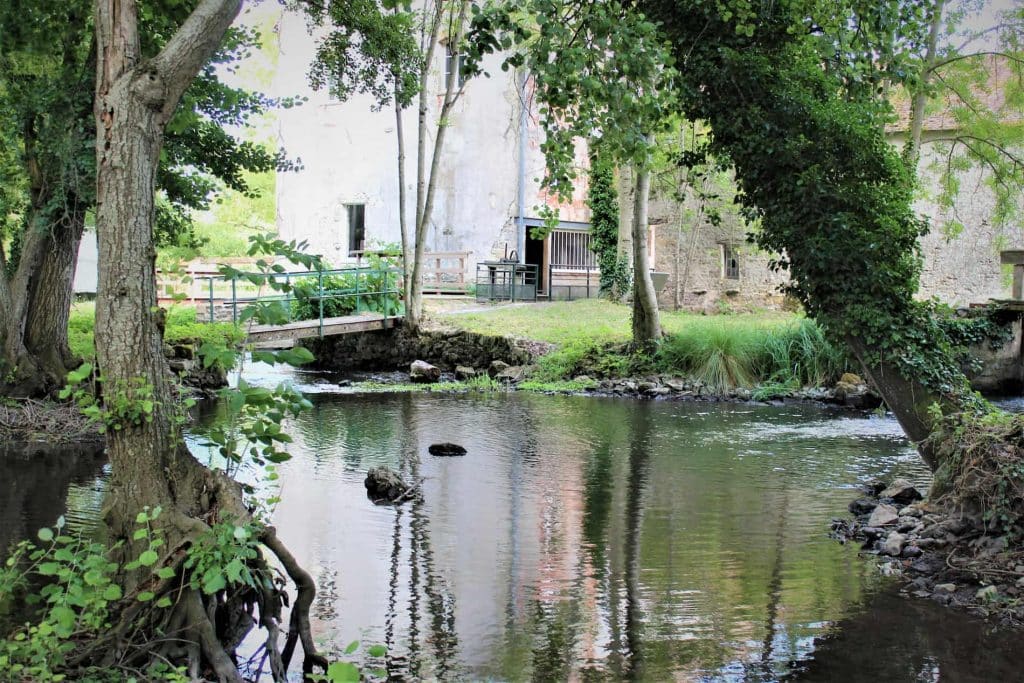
[(199, 631)]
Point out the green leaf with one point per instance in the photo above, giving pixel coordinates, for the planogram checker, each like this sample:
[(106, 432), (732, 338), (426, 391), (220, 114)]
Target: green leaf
[(343, 672), (145, 596), (148, 558), (377, 651), (45, 535), (352, 647), (163, 602), (112, 593)]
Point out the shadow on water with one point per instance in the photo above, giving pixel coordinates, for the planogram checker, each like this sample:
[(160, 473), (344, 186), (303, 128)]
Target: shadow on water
[(39, 483)]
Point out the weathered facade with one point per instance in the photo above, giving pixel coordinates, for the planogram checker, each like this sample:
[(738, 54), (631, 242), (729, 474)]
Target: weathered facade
[(345, 199), (714, 268)]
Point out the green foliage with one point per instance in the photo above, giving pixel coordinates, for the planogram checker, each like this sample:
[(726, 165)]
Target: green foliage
[(374, 287), (603, 199), (613, 78), (181, 327), (813, 166), (222, 557), (371, 48), (125, 404), (79, 588)]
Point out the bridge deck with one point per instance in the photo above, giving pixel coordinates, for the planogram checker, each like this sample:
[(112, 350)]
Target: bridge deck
[(304, 329)]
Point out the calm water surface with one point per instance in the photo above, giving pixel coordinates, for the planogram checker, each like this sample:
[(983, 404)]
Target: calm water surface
[(593, 539)]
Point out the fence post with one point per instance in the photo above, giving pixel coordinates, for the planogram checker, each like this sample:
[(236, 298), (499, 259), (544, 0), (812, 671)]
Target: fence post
[(588, 282), (211, 299), (320, 298), (513, 293), (359, 273), (288, 294), (234, 301), (551, 282)]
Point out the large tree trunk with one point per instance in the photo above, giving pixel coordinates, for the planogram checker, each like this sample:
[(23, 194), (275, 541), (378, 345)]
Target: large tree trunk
[(134, 101), (46, 328), (646, 322), (150, 464)]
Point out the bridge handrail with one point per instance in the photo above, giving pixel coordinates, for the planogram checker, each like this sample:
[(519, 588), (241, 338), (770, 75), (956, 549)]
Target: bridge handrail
[(373, 291)]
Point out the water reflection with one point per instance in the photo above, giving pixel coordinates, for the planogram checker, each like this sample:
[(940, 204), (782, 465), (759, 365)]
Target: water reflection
[(586, 539), (582, 538), (39, 483)]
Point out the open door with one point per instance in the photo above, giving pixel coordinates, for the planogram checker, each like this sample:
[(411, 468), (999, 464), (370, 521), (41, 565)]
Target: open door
[(535, 256)]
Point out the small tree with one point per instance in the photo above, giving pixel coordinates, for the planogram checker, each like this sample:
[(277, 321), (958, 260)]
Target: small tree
[(612, 80)]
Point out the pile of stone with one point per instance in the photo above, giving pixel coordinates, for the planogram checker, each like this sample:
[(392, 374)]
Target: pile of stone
[(941, 554)]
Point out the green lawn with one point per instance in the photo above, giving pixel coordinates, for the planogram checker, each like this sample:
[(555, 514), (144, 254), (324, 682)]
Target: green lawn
[(181, 327), (723, 351), (598, 320)]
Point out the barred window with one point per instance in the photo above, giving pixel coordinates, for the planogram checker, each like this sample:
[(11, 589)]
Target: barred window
[(730, 262), (571, 249)]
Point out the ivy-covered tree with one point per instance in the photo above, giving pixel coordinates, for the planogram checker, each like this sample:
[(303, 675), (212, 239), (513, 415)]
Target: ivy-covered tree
[(603, 199), (47, 72)]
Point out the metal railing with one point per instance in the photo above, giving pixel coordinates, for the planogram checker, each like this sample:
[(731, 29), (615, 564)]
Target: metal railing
[(504, 281), (568, 283), (309, 295)]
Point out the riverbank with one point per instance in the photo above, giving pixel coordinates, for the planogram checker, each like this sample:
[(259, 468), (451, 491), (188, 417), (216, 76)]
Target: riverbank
[(584, 347), (939, 552)]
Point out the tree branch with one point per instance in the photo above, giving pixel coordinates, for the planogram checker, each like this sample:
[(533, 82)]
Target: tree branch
[(190, 47)]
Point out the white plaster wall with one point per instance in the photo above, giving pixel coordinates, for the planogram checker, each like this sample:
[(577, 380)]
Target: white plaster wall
[(349, 154)]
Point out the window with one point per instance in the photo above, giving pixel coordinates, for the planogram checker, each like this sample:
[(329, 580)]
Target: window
[(356, 227), (450, 62), (730, 262), (570, 249)]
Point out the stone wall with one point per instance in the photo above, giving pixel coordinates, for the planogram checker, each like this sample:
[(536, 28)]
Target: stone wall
[(395, 349), (961, 250)]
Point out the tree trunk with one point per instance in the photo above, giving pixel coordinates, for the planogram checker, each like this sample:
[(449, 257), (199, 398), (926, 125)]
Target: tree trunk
[(23, 376), (46, 329), (912, 148), (149, 462), (402, 220), (646, 323), (426, 186)]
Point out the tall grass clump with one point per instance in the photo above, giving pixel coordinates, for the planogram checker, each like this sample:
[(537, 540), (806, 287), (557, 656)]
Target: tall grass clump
[(718, 354), (798, 353), (728, 353)]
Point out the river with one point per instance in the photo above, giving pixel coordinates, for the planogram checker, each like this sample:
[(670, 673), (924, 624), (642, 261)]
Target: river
[(588, 539)]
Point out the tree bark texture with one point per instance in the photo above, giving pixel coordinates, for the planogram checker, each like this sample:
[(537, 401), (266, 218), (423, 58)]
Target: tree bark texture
[(46, 327), (646, 320), (134, 101)]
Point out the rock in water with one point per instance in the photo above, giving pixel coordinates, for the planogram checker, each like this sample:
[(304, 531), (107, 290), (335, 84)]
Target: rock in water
[(901, 491), (423, 372), (463, 372), (883, 515), (446, 449), (862, 506), (384, 484)]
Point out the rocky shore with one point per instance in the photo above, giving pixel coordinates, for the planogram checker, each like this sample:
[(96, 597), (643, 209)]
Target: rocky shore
[(940, 554)]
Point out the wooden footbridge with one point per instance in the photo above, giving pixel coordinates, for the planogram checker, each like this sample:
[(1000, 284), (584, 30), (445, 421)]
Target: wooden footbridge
[(303, 304)]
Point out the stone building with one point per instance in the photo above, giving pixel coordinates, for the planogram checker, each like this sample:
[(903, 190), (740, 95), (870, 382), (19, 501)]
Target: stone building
[(345, 199), (714, 268)]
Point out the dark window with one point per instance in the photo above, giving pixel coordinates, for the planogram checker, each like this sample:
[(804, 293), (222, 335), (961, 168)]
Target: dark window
[(356, 227), (730, 262), (450, 62)]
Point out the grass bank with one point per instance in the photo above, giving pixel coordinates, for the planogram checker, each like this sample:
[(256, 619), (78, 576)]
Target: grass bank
[(776, 352), (181, 326)]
